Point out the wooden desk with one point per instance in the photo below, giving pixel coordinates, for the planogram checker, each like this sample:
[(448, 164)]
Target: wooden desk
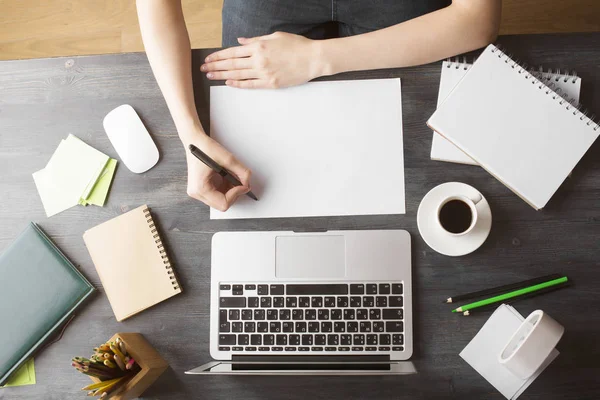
[(41, 101)]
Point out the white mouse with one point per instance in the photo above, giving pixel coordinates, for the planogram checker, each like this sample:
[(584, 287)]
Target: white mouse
[(131, 139)]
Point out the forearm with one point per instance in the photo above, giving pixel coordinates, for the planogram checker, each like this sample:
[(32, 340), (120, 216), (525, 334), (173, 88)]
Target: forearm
[(453, 30), (168, 49)]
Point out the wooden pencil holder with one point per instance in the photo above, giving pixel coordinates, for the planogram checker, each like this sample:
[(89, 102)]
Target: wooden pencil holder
[(151, 363)]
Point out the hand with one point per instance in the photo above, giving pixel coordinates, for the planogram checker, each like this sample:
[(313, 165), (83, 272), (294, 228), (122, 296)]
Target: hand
[(271, 61), (206, 185)]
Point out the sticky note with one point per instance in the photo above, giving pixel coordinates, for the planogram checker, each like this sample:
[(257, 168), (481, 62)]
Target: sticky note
[(71, 176), (99, 192), (25, 375)]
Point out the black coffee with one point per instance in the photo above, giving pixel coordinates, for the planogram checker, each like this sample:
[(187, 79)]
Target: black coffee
[(456, 216)]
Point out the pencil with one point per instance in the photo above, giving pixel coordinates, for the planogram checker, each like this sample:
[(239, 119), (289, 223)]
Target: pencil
[(123, 348), (522, 297), (100, 384), (503, 288), (130, 363), (114, 348), (104, 347), (510, 295), (119, 363), (106, 388), (118, 386)]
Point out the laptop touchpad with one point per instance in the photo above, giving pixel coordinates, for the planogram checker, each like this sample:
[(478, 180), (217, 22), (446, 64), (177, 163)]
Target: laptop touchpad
[(308, 257)]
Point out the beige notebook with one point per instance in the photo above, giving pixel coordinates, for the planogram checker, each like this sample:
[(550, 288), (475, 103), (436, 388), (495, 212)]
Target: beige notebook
[(132, 262)]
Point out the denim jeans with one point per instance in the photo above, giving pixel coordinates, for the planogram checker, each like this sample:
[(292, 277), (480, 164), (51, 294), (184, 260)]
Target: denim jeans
[(318, 19)]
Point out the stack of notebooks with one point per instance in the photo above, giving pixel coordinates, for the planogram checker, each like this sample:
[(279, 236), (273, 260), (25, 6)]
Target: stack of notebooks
[(520, 126), (76, 174)]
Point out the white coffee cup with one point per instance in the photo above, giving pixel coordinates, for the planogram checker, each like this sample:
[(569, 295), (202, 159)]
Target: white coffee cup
[(471, 201)]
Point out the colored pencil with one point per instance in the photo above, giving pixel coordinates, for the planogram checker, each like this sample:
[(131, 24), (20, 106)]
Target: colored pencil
[(119, 363), (106, 388), (119, 385), (104, 347), (99, 384), (503, 288), (116, 351), (515, 299), (123, 348), (130, 363), (510, 295)]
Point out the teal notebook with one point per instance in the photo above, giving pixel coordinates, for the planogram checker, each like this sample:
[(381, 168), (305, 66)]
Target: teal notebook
[(39, 290)]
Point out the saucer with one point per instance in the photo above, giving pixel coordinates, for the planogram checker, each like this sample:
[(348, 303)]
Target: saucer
[(440, 240)]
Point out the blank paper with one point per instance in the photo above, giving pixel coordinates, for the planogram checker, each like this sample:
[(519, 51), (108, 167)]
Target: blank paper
[(320, 149)]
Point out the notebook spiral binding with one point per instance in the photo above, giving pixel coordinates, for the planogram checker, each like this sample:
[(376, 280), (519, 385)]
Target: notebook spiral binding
[(539, 72), (543, 81), (549, 77), (161, 249)]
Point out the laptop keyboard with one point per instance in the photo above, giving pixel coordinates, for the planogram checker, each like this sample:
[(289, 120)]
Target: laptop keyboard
[(334, 317)]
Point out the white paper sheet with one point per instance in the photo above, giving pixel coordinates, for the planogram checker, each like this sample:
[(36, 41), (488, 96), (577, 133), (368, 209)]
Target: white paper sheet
[(482, 352), (320, 149)]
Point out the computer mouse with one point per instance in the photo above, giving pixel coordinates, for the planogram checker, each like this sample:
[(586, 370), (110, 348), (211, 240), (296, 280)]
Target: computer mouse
[(131, 139)]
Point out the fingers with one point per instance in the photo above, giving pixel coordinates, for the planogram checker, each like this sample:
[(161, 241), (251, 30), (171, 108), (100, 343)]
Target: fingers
[(248, 84), (227, 65), (234, 193), (231, 52), (240, 171), (235, 75)]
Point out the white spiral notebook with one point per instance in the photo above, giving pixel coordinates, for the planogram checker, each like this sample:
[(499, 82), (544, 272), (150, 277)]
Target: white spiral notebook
[(568, 85), (515, 126)]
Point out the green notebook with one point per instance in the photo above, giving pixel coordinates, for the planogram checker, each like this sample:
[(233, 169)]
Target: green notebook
[(39, 290)]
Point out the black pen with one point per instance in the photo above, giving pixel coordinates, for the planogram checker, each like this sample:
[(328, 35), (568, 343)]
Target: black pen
[(212, 164)]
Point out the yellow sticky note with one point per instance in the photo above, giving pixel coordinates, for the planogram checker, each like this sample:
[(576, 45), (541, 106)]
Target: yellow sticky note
[(25, 375), (53, 200), (70, 175)]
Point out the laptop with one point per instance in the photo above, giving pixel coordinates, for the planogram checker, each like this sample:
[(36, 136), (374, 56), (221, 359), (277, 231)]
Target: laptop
[(326, 303)]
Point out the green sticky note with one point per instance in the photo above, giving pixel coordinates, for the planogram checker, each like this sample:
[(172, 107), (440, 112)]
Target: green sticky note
[(99, 192), (25, 375)]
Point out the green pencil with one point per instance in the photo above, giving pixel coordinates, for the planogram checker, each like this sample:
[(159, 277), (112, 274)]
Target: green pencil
[(510, 295)]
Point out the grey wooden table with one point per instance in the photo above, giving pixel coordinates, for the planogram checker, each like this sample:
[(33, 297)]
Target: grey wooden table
[(41, 101)]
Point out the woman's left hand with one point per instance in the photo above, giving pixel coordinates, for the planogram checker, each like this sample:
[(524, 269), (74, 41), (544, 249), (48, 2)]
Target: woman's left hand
[(272, 61)]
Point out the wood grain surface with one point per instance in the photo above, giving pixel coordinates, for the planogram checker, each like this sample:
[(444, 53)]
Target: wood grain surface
[(42, 101), (31, 28)]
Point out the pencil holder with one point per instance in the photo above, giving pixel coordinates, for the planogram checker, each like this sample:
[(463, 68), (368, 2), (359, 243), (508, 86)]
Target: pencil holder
[(152, 365)]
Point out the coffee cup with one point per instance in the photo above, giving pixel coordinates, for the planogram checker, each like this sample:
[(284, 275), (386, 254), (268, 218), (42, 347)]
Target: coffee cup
[(457, 214)]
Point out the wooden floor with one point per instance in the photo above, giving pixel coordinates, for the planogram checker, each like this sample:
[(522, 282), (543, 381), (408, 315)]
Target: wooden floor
[(35, 28)]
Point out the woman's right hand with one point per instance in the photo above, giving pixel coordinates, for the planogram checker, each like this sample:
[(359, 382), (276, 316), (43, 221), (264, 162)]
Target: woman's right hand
[(206, 185)]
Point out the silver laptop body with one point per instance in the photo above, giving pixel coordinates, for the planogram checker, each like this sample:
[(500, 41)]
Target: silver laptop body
[(326, 303)]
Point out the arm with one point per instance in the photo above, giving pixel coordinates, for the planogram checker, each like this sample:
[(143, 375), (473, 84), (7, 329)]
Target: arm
[(168, 48), (463, 26), (282, 59)]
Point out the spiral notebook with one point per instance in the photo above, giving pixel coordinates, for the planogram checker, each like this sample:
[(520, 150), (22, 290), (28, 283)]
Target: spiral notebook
[(515, 126), (568, 85), (132, 262)]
